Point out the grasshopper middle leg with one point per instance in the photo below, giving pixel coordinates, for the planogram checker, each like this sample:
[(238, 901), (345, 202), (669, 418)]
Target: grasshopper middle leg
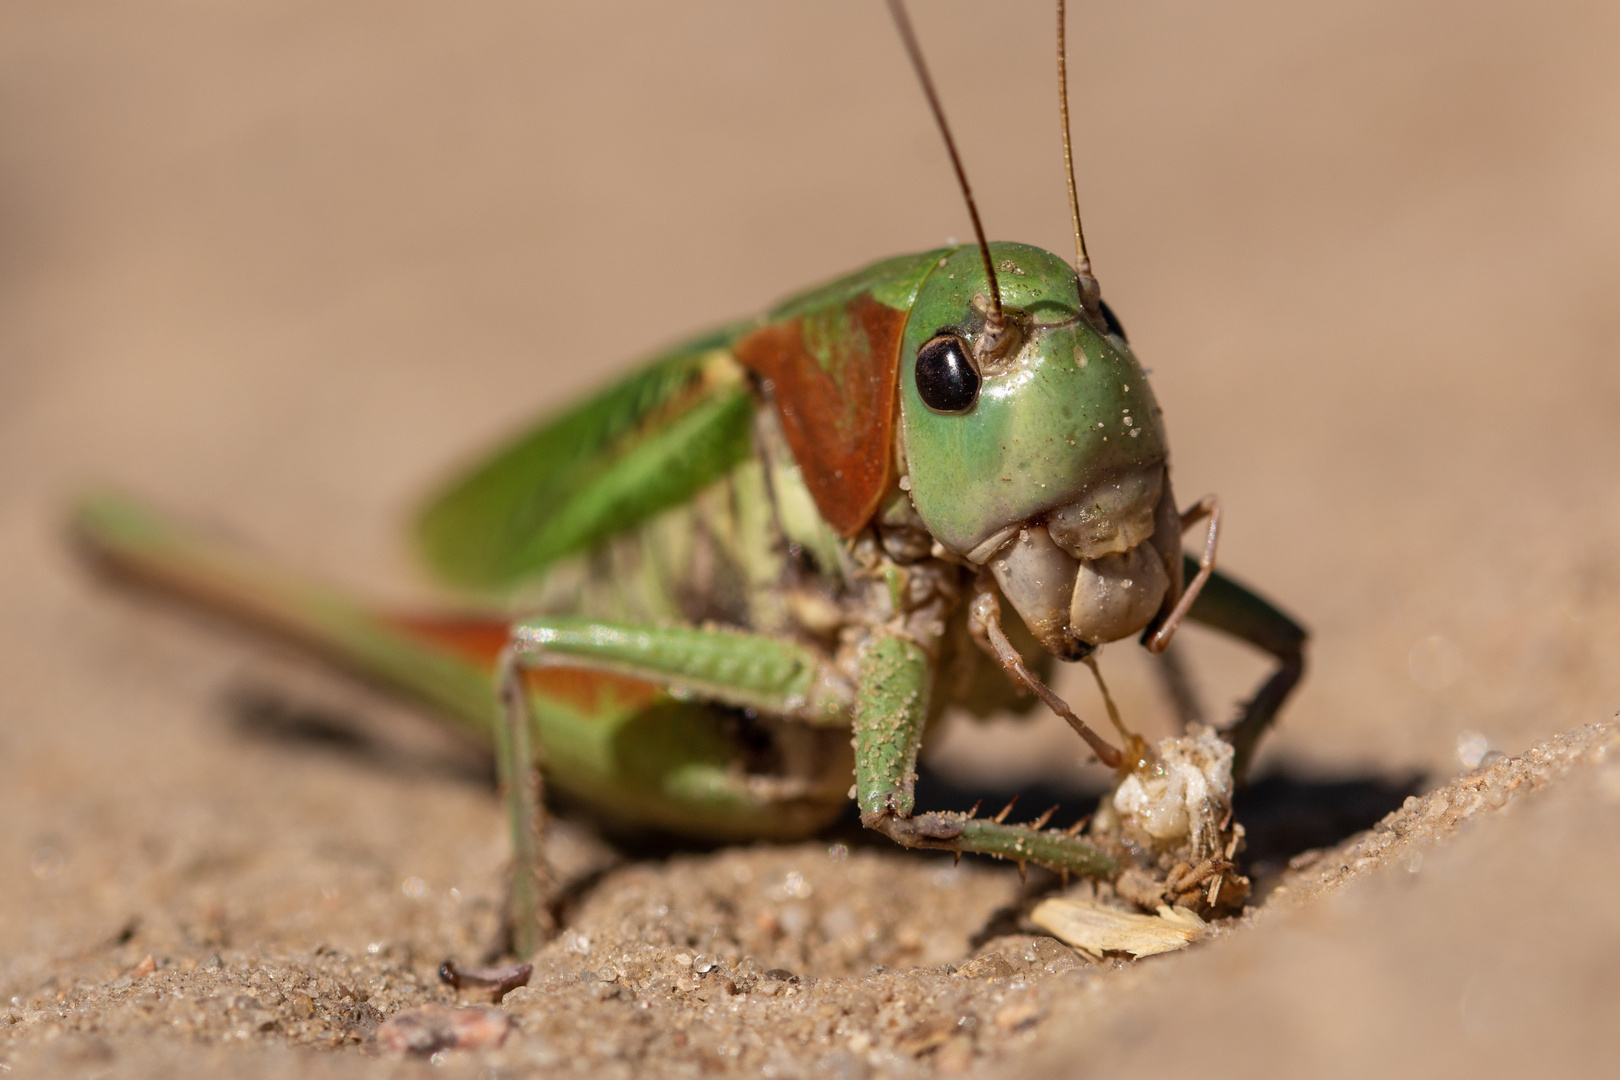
[(676, 775)]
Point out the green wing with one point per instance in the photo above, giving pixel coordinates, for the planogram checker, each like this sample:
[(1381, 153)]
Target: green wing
[(642, 446)]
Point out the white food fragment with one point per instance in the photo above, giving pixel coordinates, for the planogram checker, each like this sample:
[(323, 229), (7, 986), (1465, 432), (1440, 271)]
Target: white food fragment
[(1184, 796)]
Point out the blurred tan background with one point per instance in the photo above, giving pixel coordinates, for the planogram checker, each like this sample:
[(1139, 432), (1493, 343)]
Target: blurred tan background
[(282, 265)]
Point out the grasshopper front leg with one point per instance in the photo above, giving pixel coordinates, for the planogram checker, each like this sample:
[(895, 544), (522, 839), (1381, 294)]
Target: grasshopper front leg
[(891, 708)]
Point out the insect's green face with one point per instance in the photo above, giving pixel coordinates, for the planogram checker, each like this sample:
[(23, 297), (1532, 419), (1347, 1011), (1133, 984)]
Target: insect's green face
[(1045, 463)]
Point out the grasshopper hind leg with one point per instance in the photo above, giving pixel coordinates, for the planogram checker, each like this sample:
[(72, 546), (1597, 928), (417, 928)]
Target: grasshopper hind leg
[(702, 732), (522, 792)]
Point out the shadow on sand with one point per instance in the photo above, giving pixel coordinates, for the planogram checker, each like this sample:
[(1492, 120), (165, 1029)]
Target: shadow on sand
[(1286, 811), (265, 715)]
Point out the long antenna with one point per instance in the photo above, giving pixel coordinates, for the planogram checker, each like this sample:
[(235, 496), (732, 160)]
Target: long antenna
[(1082, 262), (996, 322)]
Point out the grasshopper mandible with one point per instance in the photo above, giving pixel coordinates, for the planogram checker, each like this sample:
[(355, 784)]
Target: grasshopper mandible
[(686, 593)]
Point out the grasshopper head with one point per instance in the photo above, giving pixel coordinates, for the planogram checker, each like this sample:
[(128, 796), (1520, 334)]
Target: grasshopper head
[(1043, 459)]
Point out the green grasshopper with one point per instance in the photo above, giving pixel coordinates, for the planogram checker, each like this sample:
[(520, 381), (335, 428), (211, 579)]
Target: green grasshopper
[(686, 594)]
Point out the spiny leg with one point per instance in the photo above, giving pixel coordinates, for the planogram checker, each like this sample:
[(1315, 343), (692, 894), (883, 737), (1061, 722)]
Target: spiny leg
[(891, 708)]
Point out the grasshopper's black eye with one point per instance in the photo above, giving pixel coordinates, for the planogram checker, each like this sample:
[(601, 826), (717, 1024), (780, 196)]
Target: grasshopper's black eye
[(947, 381), (1112, 320)]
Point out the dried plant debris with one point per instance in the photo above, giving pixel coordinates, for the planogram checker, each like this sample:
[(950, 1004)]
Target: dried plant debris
[(1095, 929)]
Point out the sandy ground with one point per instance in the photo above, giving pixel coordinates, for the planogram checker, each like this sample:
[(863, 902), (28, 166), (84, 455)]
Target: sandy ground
[(284, 265)]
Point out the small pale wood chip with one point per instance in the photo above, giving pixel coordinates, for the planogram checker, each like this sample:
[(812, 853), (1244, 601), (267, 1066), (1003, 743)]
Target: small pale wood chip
[(1095, 929)]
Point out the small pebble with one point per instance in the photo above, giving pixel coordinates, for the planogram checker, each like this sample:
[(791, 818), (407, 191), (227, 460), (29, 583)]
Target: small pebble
[(499, 981), (432, 1028)]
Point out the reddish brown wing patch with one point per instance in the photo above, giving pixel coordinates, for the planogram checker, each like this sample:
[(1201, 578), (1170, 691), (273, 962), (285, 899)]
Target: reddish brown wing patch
[(471, 637), (481, 639), (834, 371), (592, 692)]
